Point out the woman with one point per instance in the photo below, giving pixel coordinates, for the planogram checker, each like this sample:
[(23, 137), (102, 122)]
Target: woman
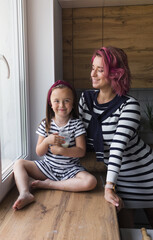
[(112, 120)]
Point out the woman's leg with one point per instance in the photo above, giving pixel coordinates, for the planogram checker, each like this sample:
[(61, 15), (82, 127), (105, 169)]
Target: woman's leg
[(22, 170), (83, 181), (149, 213)]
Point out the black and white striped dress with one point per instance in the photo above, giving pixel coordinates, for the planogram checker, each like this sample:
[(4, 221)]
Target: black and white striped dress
[(57, 167), (129, 160)]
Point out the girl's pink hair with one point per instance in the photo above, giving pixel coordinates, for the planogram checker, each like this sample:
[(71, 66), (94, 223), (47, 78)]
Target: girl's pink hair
[(116, 69)]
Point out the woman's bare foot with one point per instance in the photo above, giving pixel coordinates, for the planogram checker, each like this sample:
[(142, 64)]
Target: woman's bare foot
[(23, 200), (46, 184)]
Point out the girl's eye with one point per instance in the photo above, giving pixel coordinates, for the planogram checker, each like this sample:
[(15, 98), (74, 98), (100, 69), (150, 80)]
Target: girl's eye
[(67, 101), (56, 101)]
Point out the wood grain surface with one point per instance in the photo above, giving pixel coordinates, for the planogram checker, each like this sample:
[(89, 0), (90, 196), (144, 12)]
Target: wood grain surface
[(127, 27), (60, 215)]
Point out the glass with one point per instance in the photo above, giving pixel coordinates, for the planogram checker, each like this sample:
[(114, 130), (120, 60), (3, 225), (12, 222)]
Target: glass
[(66, 138)]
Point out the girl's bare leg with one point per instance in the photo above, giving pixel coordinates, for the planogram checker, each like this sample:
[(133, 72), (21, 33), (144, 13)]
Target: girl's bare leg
[(83, 181), (22, 170)]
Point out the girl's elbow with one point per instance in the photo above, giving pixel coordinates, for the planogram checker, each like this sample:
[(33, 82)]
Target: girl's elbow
[(39, 154), (82, 153)]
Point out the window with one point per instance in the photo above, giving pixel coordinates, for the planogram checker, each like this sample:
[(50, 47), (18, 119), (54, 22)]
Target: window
[(13, 90)]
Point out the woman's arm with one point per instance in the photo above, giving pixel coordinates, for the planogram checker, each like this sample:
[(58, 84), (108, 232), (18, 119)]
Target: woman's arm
[(113, 198), (126, 129), (78, 150)]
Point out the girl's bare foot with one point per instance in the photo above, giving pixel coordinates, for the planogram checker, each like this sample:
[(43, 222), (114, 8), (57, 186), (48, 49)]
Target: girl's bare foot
[(23, 200), (46, 184)]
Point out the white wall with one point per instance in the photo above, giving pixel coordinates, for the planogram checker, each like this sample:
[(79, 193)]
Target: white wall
[(58, 41), (41, 29)]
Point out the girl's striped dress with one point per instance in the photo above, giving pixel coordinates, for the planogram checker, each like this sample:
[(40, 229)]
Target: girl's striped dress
[(57, 167), (129, 160)]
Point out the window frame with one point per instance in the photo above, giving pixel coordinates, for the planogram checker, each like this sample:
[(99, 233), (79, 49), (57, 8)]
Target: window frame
[(6, 177)]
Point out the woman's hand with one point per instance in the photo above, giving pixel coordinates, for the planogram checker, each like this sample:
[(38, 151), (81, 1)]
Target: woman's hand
[(113, 198)]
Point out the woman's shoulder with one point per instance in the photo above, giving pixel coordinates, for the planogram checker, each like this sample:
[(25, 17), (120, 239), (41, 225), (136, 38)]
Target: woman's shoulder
[(131, 103), (89, 92), (131, 99), (87, 97)]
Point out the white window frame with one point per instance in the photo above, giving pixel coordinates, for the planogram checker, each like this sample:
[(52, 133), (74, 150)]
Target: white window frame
[(6, 177)]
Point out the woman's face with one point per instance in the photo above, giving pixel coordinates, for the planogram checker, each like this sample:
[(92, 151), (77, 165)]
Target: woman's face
[(99, 81)]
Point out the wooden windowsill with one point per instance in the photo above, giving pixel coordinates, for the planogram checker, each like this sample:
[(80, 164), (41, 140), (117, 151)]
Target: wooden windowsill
[(60, 215)]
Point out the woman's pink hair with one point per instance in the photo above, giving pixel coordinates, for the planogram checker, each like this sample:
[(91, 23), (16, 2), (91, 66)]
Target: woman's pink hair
[(116, 69)]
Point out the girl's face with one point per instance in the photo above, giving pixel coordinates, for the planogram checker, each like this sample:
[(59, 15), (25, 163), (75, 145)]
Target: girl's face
[(99, 81), (62, 101)]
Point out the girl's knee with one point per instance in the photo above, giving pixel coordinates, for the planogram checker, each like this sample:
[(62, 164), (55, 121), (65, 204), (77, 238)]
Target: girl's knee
[(19, 162), (91, 182)]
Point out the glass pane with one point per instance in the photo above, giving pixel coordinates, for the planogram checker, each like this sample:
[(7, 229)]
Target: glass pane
[(10, 129)]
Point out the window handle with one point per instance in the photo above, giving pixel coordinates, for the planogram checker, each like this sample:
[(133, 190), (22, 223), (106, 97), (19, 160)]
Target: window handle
[(3, 58)]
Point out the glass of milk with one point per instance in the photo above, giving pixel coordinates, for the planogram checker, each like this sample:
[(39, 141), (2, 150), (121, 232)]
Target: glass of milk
[(66, 138)]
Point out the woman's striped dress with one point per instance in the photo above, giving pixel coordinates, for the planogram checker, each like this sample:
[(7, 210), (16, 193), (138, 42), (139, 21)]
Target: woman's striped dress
[(129, 160)]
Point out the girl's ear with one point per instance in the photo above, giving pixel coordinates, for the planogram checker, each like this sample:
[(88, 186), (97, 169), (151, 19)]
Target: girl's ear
[(49, 103)]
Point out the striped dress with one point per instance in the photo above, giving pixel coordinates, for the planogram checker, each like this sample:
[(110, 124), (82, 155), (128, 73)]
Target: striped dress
[(129, 160), (57, 167)]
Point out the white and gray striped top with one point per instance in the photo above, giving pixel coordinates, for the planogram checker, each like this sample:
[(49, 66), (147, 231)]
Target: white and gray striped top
[(129, 160)]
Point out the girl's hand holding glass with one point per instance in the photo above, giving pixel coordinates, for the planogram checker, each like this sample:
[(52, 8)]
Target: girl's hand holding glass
[(55, 139), (61, 140)]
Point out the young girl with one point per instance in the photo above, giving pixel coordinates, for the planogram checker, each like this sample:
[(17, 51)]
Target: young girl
[(60, 169)]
